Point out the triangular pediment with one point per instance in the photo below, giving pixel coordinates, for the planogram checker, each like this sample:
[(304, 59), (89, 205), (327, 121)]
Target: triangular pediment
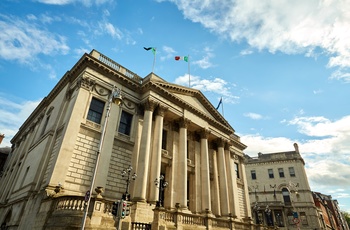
[(193, 101), (193, 98)]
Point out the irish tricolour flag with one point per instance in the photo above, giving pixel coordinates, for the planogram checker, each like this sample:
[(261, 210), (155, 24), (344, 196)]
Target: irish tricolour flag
[(178, 58)]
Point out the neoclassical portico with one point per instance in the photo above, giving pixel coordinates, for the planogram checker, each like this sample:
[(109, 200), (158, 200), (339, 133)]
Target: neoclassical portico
[(217, 192)]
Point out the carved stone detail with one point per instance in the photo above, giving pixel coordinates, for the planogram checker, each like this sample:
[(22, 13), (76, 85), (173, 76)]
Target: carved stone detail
[(221, 142), (184, 122), (204, 133), (86, 83), (161, 110), (150, 105)]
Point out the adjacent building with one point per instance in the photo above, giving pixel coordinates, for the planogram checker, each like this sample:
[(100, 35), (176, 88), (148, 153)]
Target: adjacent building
[(279, 191), (101, 119), (329, 213)]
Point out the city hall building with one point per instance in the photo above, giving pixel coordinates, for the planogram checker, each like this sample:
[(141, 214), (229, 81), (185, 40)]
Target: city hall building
[(104, 133)]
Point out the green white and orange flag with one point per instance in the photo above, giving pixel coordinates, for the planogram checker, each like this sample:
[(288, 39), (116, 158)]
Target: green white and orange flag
[(186, 59), (178, 58)]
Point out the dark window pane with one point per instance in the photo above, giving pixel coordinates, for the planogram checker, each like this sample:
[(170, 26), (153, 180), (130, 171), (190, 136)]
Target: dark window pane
[(164, 139), (96, 110), (281, 172), (270, 171), (253, 173), (125, 123), (291, 172)]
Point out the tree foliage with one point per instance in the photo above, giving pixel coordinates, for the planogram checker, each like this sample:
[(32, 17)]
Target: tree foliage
[(347, 217)]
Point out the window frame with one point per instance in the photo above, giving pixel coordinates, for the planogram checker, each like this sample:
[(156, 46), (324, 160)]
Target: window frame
[(237, 170), (253, 174), (95, 111), (281, 172), (125, 123), (270, 173), (291, 171)]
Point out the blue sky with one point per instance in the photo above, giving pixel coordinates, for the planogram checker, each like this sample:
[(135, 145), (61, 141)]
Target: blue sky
[(281, 67)]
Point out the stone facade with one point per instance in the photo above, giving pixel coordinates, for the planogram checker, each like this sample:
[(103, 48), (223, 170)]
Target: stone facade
[(78, 137), (279, 191)]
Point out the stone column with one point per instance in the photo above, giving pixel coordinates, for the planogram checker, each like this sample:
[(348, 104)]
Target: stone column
[(232, 182), (144, 154), (246, 190), (180, 164), (224, 197), (156, 157), (216, 189), (205, 174)]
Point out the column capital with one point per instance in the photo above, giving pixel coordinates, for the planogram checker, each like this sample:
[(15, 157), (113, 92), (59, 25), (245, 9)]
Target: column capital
[(204, 133), (86, 83), (161, 110), (149, 105), (184, 122), (221, 142)]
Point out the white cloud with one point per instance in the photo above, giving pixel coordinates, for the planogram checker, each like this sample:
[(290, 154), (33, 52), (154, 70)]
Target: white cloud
[(109, 28), (16, 114), (291, 27), (205, 62), (169, 53), (216, 85), (254, 116), (23, 41)]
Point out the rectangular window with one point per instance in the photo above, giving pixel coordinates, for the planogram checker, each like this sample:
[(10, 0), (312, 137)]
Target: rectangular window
[(96, 110), (253, 173), (237, 169), (303, 218), (281, 172), (125, 123), (291, 171), (270, 171), (164, 138)]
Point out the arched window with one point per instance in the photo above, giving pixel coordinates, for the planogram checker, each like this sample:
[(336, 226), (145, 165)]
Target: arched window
[(286, 196)]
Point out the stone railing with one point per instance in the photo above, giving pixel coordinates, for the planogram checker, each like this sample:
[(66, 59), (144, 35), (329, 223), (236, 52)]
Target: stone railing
[(166, 219), (70, 203), (106, 60)]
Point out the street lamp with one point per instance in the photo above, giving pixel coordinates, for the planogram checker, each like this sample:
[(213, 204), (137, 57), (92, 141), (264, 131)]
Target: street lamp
[(126, 173), (256, 210), (161, 185), (268, 215), (117, 98)]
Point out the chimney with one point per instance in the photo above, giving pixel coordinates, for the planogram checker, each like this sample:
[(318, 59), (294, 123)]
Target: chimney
[(296, 147)]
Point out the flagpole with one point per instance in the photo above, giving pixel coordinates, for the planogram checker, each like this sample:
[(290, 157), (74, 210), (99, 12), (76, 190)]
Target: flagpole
[(222, 107), (189, 74), (154, 58)]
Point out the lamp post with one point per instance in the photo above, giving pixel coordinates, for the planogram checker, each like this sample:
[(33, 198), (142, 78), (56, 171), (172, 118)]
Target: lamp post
[(114, 97), (256, 210), (126, 173), (268, 215), (161, 185)]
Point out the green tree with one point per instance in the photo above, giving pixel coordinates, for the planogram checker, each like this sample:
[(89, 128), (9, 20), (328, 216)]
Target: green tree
[(347, 217)]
